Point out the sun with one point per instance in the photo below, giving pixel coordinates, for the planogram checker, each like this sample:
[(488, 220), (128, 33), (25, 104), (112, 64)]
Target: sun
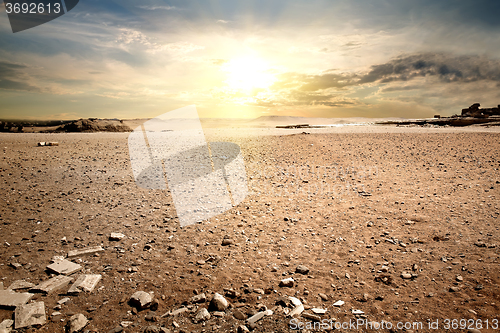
[(248, 73)]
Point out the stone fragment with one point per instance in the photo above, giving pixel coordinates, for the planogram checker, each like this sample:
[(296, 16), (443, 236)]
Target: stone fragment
[(116, 236), (219, 303), (287, 283), (243, 329), (239, 315), (65, 267), (11, 299), (32, 314), (6, 326), (178, 311), (357, 312), (141, 300), (50, 285), (318, 311), (454, 289), (311, 316), (15, 265), (85, 283), (89, 250), (76, 323), (201, 298), (20, 285), (323, 297), (339, 303), (202, 315), (301, 269), (295, 301), (227, 241), (460, 278), (406, 276), (296, 311), (63, 300)]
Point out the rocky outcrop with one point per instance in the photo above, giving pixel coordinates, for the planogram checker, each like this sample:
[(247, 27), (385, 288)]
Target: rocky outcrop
[(476, 112)]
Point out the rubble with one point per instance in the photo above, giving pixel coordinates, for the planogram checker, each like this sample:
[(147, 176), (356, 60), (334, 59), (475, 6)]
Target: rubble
[(218, 303), (76, 323), (32, 314), (20, 285), (65, 267), (85, 283), (53, 284), (202, 315), (141, 300), (11, 299)]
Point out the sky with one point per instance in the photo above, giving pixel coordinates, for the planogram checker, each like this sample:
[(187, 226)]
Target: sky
[(245, 59)]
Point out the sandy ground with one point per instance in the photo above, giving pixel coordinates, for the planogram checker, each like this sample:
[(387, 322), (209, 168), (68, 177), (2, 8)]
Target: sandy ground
[(357, 205)]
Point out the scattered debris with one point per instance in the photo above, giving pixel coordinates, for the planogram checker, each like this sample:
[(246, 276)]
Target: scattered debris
[(86, 283), (32, 314)]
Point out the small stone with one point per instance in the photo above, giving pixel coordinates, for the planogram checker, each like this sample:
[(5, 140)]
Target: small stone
[(6, 326), (243, 329), (295, 301), (365, 298), (219, 303), (116, 236), (201, 298), (347, 276), (63, 300), (406, 276), (65, 267), (32, 314), (323, 297), (311, 317), (89, 250), (239, 315), (479, 286), (460, 278), (202, 315), (227, 241), (339, 303), (141, 300), (16, 265), (384, 269), (454, 289), (318, 311), (287, 283), (76, 323), (357, 312), (301, 269), (151, 316)]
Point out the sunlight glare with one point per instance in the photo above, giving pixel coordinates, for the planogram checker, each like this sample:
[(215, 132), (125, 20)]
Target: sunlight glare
[(248, 73)]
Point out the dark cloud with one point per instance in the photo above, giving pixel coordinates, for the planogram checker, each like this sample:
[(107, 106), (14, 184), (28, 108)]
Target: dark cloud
[(13, 78)]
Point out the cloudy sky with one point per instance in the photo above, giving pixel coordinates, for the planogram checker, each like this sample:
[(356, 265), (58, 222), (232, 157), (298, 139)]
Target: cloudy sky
[(244, 59)]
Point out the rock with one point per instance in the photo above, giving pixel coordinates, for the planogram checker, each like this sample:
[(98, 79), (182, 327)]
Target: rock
[(152, 329), (339, 303), (178, 311), (219, 303), (243, 329), (365, 298), (473, 330), (301, 269), (116, 236), (295, 301), (16, 265), (406, 276), (323, 297), (64, 300), (85, 283), (460, 278), (32, 314), (154, 305), (239, 315), (201, 298), (311, 317), (454, 289), (55, 283), (141, 300), (357, 312), (89, 250), (11, 299), (296, 311), (76, 323), (479, 286), (287, 283), (65, 267), (227, 241), (202, 315), (151, 316), (20, 285), (347, 276), (318, 311)]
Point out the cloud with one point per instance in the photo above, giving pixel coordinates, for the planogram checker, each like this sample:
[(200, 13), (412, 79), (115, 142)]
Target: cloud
[(12, 77), (156, 7)]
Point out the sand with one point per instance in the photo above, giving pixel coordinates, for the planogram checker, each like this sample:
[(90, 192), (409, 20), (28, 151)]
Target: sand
[(343, 201)]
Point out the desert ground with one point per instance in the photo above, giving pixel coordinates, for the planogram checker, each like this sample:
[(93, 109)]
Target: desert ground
[(399, 223)]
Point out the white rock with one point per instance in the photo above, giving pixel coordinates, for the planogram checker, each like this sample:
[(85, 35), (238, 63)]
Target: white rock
[(141, 299), (287, 283), (76, 323), (219, 303), (116, 236), (339, 303), (296, 311), (202, 315), (32, 314)]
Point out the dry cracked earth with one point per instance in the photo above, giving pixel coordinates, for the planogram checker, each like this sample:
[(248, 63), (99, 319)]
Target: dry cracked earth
[(402, 227)]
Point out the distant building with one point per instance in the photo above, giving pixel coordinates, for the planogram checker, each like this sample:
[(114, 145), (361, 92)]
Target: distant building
[(476, 112)]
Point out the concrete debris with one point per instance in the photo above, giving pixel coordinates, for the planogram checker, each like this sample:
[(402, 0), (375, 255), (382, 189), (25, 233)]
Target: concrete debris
[(90, 250), (20, 285), (50, 285), (65, 267), (141, 300), (6, 326), (76, 323), (11, 299), (85, 283), (32, 314)]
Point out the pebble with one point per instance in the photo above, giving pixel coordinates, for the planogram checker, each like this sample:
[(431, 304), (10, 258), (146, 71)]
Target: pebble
[(406, 276), (141, 300), (202, 315), (116, 236), (76, 323), (339, 303), (301, 269), (201, 298), (289, 282)]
